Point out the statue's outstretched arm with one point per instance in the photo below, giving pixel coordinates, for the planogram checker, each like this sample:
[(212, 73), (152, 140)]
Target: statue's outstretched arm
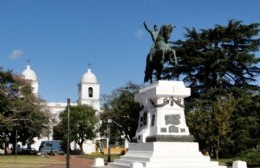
[(146, 27)]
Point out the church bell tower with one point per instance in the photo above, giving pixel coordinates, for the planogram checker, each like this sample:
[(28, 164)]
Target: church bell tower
[(89, 90), (29, 75)]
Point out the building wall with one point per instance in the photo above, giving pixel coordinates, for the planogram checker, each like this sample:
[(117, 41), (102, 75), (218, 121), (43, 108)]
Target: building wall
[(88, 93)]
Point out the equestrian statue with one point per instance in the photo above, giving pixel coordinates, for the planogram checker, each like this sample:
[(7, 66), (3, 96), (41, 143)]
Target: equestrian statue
[(160, 52)]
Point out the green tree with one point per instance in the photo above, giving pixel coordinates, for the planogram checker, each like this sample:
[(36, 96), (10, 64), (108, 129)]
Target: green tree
[(222, 110), (215, 63), (245, 122), (222, 57), (210, 122), (20, 110), (83, 123), (123, 110)]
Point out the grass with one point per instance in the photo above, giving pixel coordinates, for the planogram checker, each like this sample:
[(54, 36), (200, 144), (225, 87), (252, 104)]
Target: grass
[(29, 161), (99, 155), (26, 161), (229, 161)]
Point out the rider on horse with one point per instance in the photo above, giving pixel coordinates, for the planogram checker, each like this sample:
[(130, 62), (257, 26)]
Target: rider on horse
[(160, 53)]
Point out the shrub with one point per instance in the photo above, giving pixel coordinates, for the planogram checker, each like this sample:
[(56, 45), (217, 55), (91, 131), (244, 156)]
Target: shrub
[(252, 157)]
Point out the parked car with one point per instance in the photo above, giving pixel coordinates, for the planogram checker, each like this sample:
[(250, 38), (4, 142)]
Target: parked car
[(27, 151), (50, 147)]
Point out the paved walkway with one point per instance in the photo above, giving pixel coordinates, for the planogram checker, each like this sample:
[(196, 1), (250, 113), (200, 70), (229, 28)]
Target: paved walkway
[(75, 162)]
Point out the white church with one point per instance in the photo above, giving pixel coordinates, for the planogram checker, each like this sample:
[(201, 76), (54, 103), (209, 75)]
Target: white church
[(88, 93)]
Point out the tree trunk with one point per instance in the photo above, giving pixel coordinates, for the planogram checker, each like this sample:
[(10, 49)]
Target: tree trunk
[(216, 152), (217, 149), (7, 150), (81, 148)]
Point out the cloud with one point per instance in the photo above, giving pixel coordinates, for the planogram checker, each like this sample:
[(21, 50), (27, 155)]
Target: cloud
[(139, 34), (16, 54)]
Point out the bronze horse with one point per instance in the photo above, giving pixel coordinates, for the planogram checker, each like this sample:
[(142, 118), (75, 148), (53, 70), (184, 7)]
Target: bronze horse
[(160, 54)]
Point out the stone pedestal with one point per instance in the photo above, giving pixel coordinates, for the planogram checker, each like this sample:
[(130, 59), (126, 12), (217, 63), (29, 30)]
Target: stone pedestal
[(163, 138), (165, 155), (162, 117)]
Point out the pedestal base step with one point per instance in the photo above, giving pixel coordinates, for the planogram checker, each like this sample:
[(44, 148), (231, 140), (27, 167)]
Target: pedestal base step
[(164, 155)]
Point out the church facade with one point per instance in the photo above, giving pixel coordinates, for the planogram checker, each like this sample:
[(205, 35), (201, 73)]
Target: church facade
[(88, 94)]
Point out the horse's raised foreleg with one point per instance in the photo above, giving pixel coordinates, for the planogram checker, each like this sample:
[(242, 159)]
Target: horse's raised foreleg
[(175, 58), (163, 57), (173, 52)]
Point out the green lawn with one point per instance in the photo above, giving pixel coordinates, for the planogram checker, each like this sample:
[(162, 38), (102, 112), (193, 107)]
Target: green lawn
[(104, 156), (26, 161)]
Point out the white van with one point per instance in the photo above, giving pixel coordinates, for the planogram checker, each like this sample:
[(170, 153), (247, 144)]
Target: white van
[(49, 147)]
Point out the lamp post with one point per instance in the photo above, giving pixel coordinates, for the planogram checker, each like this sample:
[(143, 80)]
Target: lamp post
[(15, 144), (109, 122), (16, 136), (68, 135)]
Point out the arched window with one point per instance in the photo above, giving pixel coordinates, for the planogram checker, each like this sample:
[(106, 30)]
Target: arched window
[(90, 92)]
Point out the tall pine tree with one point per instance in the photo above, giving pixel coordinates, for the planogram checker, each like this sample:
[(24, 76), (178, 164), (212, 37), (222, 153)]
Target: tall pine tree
[(216, 63)]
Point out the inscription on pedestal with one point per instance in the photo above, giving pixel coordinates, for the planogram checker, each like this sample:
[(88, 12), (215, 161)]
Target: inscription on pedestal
[(173, 119), (173, 129), (183, 130), (163, 130)]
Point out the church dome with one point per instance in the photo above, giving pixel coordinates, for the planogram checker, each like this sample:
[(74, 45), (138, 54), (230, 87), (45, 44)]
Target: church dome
[(89, 77), (29, 74)]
